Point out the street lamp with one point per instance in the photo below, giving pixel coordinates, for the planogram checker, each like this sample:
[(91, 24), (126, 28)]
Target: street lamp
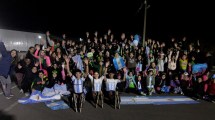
[(144, 26)]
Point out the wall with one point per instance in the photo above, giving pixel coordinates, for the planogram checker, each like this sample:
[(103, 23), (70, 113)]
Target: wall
[(19, 40)]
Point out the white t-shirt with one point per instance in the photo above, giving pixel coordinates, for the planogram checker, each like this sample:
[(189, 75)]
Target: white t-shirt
[(139, 85), (78, 85), (97, 83), (111, 84), (150, 83)]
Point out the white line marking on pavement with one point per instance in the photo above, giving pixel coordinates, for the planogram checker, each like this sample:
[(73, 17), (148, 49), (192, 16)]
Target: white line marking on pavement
[(11, 88), (10, 107)]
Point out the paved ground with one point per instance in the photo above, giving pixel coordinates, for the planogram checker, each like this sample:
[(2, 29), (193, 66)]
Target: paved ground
[(11, 110)]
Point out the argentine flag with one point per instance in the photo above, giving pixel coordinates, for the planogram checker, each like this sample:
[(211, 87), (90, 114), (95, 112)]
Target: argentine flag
[(79, 64), (118, 63), (136, 40)]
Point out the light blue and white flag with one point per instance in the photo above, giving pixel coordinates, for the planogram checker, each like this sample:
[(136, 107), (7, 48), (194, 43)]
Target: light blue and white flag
[(79, 63), (136, 40), (199, 68), (147, 51), (37, 97), (118, 63), (139, 67)]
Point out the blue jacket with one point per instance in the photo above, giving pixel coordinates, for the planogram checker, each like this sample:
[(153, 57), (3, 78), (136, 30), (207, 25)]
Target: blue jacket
[(5, 62)]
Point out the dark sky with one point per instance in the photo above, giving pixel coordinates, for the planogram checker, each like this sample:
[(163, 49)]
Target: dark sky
[(166, 18)]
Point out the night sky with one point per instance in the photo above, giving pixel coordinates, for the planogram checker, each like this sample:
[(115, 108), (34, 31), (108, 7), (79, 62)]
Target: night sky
[(165, 18)]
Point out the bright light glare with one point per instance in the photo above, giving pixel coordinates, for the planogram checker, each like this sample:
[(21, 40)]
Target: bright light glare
[(39, 37)]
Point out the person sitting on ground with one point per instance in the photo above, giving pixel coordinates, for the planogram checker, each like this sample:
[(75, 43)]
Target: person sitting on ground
[(130, 83), (39, 82), (175, 86), (162, 84), (198, 92), (30, 76), (211, 89), (140, 85), (150, 82)]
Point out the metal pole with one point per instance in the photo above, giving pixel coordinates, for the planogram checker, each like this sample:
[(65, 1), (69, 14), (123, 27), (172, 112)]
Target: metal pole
[(144, 26)]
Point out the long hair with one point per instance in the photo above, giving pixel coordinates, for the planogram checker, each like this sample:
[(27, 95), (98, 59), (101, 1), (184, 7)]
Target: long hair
[(15, 59)]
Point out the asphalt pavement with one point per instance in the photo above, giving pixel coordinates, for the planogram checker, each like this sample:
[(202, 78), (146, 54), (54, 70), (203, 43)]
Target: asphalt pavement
[(12, 110)]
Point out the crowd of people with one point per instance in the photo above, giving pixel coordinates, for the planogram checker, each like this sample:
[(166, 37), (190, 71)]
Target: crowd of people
[(105, 63)]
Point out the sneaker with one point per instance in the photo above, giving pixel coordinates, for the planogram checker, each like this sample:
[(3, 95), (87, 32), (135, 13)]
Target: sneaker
[(26, 94), (11, 95), (142, 93), (8, 98)]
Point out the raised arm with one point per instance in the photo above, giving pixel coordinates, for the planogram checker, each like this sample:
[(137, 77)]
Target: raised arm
[(48, 40), (67, 67), (125, 73), (166, 60), (63, 74), (198, 43), (86, 61), (153, 42), (3, 49), (176, 58), (169, 56), (36, 52), (106, 67), (145, 71), (48, 61)]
